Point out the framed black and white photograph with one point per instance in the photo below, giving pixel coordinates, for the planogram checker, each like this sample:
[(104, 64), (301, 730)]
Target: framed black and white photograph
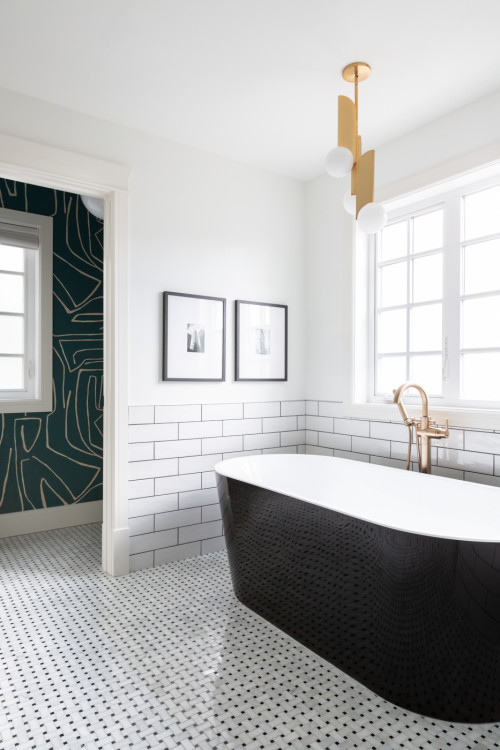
[(194, 337), (261, 341)]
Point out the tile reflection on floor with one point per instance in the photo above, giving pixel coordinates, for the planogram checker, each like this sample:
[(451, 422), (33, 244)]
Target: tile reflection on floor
[(168, 658)]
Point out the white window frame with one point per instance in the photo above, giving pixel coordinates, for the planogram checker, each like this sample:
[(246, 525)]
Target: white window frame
[(359, 295), (37, 395)]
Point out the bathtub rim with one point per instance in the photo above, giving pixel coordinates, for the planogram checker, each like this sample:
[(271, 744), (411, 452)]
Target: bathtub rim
[(447, 517)]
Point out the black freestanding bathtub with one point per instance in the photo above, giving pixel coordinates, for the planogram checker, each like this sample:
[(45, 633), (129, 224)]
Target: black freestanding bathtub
[(392, 576)]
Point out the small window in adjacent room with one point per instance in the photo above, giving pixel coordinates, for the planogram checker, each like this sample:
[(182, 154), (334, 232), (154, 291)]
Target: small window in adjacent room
[(434, 285), (25, 312)]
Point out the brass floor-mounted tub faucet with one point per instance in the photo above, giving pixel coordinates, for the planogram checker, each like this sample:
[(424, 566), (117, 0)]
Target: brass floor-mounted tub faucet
[(425, 428)]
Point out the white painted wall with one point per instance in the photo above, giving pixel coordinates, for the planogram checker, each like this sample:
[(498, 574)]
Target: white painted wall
[(454, 142), (204, 224), (198, 223)]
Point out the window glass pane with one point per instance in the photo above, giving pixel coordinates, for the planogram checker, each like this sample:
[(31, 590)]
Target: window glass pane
[(11, 373), (11, 334), (481, 272), (428, 278), (426, 328), (391, 373), (11, 258), (481, 322), (392, 331), (428, 231), (482, 213), (393, 284), (426, 370), (481, 376), (394, 241), (11, 293)]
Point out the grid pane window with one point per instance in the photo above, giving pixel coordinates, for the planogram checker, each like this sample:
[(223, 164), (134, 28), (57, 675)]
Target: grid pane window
[(481, 322), (11, 334), (390, 370), (436, 292), (393, 284), (425, 328), (428, 231), (395, 241), (481, 267), (480, 295), (12, 318), (428, 277), (392, 331), (11, 373), (427, 369), (11, 292), (480, 370), (26, 302), (11, 258), (481, 213), (409, 271)]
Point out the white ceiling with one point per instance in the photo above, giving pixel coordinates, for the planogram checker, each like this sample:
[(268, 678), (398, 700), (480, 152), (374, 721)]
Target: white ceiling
[(255, 80)]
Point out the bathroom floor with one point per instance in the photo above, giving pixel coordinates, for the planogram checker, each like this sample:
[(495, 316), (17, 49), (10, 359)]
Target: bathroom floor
[(168, 658)]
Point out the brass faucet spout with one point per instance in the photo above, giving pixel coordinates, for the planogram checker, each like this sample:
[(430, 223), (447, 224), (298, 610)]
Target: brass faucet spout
[(398, 394), (424, 427)]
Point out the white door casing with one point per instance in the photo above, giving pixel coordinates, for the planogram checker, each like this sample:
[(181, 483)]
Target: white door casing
[(38, 164)]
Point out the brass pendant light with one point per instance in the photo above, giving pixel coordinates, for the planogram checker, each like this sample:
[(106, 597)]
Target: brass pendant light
[(347, 157)]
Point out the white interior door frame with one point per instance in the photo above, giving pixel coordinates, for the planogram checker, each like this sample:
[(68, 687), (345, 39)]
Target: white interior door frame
[(38, 164)]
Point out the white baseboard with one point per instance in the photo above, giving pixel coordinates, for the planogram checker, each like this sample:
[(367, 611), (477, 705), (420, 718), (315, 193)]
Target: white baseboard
[(31, 521), (120, 561)]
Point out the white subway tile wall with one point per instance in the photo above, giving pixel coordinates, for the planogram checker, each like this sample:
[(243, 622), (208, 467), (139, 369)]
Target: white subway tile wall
[(173, 503)]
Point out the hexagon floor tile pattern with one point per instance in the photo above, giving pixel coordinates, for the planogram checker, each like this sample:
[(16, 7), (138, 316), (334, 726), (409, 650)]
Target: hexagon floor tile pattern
[(168, 658)]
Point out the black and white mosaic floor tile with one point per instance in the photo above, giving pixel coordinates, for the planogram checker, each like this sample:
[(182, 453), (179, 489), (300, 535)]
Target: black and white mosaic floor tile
[(168, 658)]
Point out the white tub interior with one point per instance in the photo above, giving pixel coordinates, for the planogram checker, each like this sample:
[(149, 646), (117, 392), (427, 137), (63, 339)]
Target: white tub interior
[(403, 500)]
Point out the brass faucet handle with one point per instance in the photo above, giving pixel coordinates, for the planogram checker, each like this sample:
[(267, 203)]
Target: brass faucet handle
[(437, 433)]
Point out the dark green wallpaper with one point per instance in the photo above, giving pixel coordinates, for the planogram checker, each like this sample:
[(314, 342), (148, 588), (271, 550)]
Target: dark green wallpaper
[(56, 458)]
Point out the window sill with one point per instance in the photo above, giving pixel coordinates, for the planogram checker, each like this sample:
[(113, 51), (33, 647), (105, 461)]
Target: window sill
[(488, 419), (27, 406)]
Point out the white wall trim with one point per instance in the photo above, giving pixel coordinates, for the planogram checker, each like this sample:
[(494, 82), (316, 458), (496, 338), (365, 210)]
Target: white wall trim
[(45, 519), (463, 165), (27, 161)]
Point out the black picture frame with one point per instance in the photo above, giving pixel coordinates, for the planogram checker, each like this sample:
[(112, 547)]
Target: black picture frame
[(258, 326), (194, 341)]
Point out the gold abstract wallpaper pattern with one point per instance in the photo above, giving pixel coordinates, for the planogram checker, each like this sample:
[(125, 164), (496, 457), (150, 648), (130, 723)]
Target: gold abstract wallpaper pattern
[(53, 459)]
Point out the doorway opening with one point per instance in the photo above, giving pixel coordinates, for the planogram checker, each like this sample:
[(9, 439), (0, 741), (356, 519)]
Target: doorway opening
[(87, 458)]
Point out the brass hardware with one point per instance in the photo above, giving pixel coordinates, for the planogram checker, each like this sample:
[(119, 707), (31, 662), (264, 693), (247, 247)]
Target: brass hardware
[(354, 171), (356, 70), (347, 125), (425, 428), (365, 170)]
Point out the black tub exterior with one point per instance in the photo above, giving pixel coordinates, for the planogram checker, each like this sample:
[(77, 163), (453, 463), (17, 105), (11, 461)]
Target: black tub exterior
[(414, 618)]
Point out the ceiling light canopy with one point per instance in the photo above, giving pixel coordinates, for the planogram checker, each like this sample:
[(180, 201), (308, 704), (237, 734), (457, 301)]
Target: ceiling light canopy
[(347, 157)]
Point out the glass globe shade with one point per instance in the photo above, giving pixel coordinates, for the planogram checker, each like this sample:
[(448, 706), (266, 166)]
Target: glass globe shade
[(95, 206), (339, 162), (372, 218), (350, 203)]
